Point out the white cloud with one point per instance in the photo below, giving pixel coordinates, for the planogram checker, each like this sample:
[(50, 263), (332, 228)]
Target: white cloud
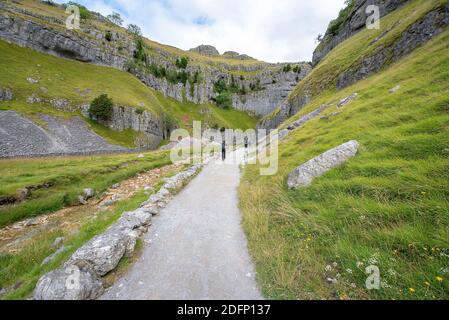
[(269, 30)]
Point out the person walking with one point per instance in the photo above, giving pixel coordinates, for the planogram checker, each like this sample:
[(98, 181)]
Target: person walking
[(245, 156), (223, 150)]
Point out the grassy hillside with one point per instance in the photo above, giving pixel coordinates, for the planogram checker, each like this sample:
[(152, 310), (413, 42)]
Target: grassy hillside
[(57, 182), (80, 83), (350, 54), (387, 207)]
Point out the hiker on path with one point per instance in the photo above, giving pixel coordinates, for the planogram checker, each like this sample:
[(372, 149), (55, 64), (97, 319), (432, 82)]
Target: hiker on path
[(223, 150), (245, 158)]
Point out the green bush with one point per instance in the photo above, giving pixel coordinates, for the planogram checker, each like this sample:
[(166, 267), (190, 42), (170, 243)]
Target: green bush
[(182, 63), (140, 110), (220, 86), (101, 107), (108, 36), (140, 54), (224, 100), (287, 68), (297, 69)]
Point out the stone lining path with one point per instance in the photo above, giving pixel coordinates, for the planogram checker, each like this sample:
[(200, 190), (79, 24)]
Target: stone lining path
[(196, 248)]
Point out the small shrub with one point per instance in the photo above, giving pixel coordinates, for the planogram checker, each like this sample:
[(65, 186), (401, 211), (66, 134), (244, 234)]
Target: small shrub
[(134, 30), (220, 86), (101, 107), (115, 18), (287, 68), (108, 36), (48, 2), (297, 69), (182, 63), (140, 54), (140, 110), (224, 100)]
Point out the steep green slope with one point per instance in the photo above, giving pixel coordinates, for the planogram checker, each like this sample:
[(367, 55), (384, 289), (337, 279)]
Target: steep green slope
[(80, 83), (362, 51), (386, 207)]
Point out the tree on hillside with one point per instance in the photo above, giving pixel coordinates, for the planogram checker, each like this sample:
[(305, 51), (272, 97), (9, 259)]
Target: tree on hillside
[(134, 30), (101, 107), (115, 18)]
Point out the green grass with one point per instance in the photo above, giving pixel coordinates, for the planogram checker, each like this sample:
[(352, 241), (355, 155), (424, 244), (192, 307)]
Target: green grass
[(24, 268), (388, 204), (68, 177)]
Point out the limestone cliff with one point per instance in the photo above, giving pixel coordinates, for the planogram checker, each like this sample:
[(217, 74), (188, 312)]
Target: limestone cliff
[(262, 86)]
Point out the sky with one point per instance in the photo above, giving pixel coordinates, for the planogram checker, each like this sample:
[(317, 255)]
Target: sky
[(269, 30)]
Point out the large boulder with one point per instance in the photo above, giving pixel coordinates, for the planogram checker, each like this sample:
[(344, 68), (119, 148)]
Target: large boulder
[(134, 219), (69, 283), (303, 175), (102, 253)]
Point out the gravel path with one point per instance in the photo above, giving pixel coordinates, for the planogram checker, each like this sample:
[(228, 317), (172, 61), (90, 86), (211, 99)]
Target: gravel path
[(196, 248)]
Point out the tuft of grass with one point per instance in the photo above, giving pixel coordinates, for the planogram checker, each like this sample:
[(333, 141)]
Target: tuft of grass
[(387, 207)]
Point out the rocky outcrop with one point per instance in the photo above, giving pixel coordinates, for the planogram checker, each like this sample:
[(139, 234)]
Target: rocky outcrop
[(417, 34), (304, 174), (206, 50), (59, 42), (236, 55), (6, 94), (139, 120), (353, 23), (347, 100), (20, 136), (276, 89), (287, 109), (302, 121)]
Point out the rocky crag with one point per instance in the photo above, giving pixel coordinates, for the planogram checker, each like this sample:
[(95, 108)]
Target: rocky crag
[(351, 21)]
